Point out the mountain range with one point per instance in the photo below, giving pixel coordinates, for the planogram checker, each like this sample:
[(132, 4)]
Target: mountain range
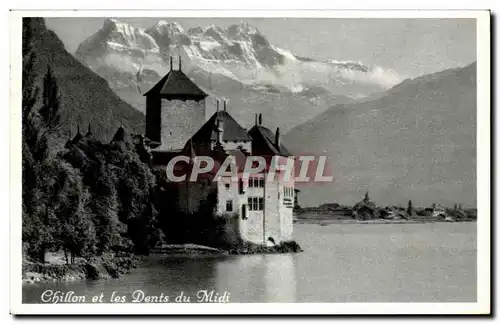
[(237, 63), (417, 142)]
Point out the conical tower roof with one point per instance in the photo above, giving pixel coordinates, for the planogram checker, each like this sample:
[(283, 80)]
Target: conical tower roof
[(176, 85), (121, 135)]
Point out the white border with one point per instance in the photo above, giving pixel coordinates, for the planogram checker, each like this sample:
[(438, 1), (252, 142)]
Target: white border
[(311, 13), (482, 306)]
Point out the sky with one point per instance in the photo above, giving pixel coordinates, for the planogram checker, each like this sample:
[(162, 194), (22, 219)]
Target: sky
[(411, 47)]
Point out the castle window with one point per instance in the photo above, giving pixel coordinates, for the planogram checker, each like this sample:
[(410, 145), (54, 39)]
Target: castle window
[(244, 211), (228, 185), (229, 205), (240, 186), (261, 183), (255, 203)]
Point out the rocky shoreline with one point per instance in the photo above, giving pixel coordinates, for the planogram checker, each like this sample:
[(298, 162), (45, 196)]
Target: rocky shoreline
[(110, 267), (283, 247), (93, 269)]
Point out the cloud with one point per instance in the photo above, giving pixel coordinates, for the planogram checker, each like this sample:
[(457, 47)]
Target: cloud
[(386, 78), (292, 74)]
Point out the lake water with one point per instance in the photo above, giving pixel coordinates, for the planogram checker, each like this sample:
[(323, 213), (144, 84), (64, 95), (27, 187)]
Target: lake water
[(434, 262)]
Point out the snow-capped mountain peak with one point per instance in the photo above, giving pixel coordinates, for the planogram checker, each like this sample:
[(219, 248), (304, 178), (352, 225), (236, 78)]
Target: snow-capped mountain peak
[(163, 26), (168, 33), (110, 23), (119, 37), (240, 31), (215, 32), (239, 52)]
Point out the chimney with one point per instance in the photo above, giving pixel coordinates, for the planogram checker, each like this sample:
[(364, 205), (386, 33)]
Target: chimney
[(260, 119), (171, 64), (255, 119), (224, 104), (89, 131), (180, 63), (220, 129), (277, 138), (217, 105)]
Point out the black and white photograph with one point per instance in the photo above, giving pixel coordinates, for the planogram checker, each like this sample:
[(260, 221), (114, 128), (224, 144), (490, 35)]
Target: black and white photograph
[(216, 159)]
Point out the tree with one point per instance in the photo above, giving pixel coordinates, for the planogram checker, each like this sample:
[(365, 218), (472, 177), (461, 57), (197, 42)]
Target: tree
[(122, 190), (29, 91), (91, 197), (74, 230), (34, 150), (51, 103), (29, 96), (409, 210), (45, 177), (136, 191)]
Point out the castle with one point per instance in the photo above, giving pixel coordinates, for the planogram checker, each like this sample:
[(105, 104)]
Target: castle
[(176, 124)]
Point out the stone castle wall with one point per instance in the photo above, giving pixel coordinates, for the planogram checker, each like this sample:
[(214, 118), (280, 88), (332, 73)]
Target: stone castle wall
[(179, 121)]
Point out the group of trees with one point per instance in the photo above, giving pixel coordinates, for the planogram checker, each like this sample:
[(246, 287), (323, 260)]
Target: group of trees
[(86, 199)]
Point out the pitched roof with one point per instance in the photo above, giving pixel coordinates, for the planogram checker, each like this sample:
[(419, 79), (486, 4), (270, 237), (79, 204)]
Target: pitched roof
[(264, 136), (232, 131), (240, 158), (176, 85), (77, 137), (121, 135)]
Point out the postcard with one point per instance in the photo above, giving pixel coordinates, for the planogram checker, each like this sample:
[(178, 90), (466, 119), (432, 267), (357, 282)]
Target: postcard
[(250, 162)]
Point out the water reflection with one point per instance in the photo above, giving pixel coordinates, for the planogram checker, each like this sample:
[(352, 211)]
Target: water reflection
[(259, 278), (252, 278), (341, 263), (279, 278)]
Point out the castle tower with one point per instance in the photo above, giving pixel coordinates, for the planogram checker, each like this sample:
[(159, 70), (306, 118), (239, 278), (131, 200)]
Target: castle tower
[(175, 110)]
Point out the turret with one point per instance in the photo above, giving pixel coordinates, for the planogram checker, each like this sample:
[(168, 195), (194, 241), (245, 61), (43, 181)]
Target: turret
[(175, 110), (89, 131), (277, 138)]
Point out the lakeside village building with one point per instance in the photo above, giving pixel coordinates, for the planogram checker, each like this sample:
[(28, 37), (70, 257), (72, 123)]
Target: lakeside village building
[(176, 125)]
